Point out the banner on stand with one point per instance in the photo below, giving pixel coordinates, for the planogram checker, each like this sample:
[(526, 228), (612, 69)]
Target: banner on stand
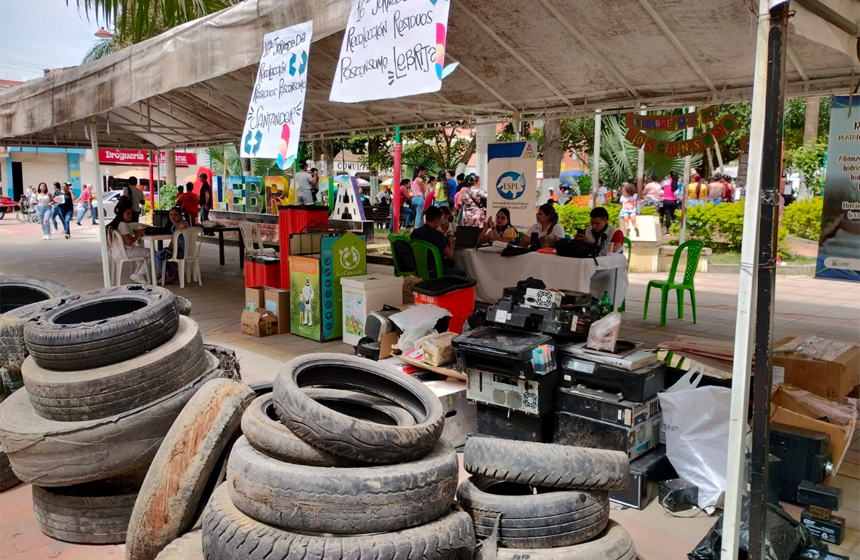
[(392, 48), (682, 148), (512, 181), (839, 243), (671, 122), (274, 122)]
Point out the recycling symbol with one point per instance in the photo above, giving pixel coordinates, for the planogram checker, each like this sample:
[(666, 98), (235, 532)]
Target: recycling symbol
[(258, 139), (303, 66)]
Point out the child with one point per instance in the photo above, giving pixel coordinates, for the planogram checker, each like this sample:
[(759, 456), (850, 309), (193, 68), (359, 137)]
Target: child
[(628, 208)]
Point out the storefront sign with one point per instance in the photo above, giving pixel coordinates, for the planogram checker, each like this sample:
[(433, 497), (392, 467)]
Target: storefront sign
[(274, 122), (682, 148), (141, 157), (392, 48), (671, 122), (839, 243), (512, 181)]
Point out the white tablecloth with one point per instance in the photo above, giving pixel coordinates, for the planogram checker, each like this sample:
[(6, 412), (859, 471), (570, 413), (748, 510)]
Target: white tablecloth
[(494, 273)]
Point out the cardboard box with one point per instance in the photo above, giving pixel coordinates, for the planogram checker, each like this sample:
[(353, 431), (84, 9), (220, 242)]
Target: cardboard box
[(255, 298), (259, 323), (831, 379), (278, 304), (408, 282), (785, 409), (438, 350), (461, 415)]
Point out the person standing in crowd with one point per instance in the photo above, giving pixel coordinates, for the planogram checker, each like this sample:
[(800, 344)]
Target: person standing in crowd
[(652, 194), (429, 233), (715, 189), (552, 198), (27, 197), (602, 191), (304, 185), (697, 193), (135, 195), (418, 195), (55, 209), (499, 229), (43, 203), (204, 198), (452, 186), (547, 224), (122, 225), (405, 205), (738, 193), (315, 186), (600, 233), (33, 198), (87, 204), (670, 201), (430, 192), (66, 204), (188, 202), (442, 191), (728, 190), (627, 215), (470, 202), (176, 224)]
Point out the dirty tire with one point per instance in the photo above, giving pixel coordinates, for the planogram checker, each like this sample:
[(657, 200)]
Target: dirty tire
[(90, 394), (548, 519), (93, 513), (614, 543), (189, 454), (229, 534), (343, 501), (545, 464), (227, 361), (187, 547), (268, 435), (183, 305), (261, 387), (19, 291), (50, 453), (102, 327), (8, 479), (343, 435)]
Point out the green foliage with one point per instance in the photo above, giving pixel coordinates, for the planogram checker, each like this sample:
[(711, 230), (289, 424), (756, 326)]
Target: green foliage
[(167, 197), (147, 208), (572, 218), (648, 211), (258, 167), (808, 160), (584, 184), (795, 122), (803, 218), (720, 227)]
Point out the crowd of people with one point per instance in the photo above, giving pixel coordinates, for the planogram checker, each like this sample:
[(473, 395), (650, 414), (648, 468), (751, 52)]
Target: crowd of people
[(50, 206)]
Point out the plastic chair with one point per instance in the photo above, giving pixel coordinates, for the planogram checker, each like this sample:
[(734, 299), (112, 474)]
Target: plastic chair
[(629, 245), (191, 238), (253, 240), (120, 257), (694, 250), (401, 268), (422, 250)]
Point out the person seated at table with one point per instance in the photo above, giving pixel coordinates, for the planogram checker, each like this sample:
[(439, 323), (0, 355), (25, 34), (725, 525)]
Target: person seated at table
[(177, 224), (122, 224), (188, 202), (547, 224), (447, 225), (430, 233), (609, 238), (499, 229)]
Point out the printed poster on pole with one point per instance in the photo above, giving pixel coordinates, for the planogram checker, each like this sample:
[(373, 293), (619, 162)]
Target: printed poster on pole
[(274, 122), (512, 181), (839, 242), (392, 48)]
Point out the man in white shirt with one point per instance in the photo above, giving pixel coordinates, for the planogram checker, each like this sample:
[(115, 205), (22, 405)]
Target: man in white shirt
[(135, 195), (305, 182)]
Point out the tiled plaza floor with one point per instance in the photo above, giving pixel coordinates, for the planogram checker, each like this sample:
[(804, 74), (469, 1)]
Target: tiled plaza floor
[(803, 306)]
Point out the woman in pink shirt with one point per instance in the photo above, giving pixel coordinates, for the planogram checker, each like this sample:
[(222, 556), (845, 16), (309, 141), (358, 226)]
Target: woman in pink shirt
[(652, 194), (670, 201)]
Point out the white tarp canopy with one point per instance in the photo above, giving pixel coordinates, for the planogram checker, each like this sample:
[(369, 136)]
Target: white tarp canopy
[(191, 86)]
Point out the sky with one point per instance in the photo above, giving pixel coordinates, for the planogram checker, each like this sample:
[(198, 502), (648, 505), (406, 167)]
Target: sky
[(39, 34)]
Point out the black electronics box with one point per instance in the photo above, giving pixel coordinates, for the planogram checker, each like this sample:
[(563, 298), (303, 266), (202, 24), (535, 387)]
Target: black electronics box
[(774, 466), (528, 396), (504, 352), (831, 531), (646, 473), (572, 322), (820, 553), (678, 495), (819, 495), (638, 385), (580, 431), (805, 456), (606, 406), (504, 423)]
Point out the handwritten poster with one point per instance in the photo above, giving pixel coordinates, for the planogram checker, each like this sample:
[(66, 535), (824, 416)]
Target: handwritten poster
[(274, 121), (392, 48)]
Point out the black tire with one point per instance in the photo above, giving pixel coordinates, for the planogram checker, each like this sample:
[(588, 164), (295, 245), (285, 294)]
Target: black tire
[(227, 361), (183, 305), (546, 464), (72, 396), (342, 500), (50, 453), (18, 291), (94, 513), (614, 543), (229, 534), (8, 479), (102, 327), (546, 519), (268, 435), (343, 435), (178, 476), (187, 547)]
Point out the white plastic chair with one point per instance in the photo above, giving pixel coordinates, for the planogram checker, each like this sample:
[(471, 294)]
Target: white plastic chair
[(191, 239), (253, 240), (120, 257)]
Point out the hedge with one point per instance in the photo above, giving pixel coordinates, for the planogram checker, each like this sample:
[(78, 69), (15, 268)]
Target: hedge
[(803, 218)]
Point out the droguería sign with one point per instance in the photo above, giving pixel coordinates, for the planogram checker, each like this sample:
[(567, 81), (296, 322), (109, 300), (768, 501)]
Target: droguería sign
[(141, 157)]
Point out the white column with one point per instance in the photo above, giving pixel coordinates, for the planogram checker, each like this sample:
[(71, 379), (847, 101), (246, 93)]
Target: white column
[(170, 163), (640, 170), (485, 134), (595, 168), (687, 164), (99, 193)]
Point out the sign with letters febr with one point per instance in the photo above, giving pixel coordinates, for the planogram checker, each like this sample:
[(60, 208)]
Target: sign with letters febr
[(392, 48), (512, 181), (274, 121)]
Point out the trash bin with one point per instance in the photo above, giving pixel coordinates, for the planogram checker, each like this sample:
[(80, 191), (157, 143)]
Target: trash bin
[(251, 279), (268, 271), (454, 293), (361, 296)]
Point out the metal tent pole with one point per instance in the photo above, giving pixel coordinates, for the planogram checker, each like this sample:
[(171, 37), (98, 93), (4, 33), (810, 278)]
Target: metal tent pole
[(395, 186), (595, 169), (100, 192)]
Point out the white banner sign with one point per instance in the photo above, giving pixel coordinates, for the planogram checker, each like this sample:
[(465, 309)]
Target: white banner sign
[(274, 122), (392, 48), (512, 181)]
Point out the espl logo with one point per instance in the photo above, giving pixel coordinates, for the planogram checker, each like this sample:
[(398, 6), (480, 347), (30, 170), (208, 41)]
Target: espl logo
[(511, 185)]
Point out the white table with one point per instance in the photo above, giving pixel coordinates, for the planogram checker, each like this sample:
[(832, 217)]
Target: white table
[(494, 273), (152, 241)]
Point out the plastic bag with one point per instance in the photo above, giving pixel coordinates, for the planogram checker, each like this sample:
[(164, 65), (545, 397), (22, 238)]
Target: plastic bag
[(696, 423), (416, 323), (604, 333)]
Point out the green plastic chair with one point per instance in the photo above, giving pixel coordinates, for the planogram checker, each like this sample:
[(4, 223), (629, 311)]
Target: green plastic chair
[(399, 268), (694, 250), (422, 250), (629, 252)]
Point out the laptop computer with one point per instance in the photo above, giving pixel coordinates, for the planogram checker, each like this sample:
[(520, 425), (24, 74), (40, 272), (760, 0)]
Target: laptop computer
[(466, 237)]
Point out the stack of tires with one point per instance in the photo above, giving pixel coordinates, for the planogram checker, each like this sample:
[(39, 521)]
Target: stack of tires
[(543, 501), (342, 460), (108, 372)]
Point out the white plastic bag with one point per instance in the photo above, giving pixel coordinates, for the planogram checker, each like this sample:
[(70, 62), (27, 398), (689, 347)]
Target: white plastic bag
[(696, 423), (416, 323), (603, 333)]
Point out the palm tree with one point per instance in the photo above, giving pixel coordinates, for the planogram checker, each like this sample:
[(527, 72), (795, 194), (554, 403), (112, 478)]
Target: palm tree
[(258, 167)]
